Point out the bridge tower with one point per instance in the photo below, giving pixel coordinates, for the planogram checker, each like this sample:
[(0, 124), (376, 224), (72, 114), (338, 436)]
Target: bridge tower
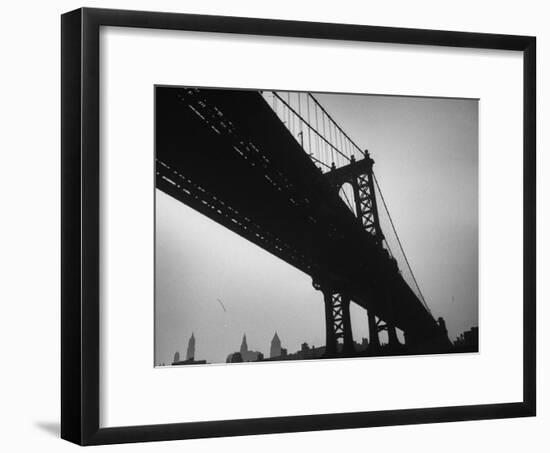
[(359, 174), (339, 337)]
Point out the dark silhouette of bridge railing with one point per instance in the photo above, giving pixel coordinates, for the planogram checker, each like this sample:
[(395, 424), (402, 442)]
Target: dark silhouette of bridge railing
[(230, 155)]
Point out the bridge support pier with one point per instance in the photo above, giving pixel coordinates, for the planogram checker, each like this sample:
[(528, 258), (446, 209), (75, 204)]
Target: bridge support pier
[(392, 336), (374, 340), (346, 318), (337, 323)]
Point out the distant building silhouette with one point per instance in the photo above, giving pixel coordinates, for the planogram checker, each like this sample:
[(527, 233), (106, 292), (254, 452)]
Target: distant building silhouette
[(190, 357), (244, 355), (275, 350), (191, 348), (442, 326), (244, 345), (236, 357), (468, 341), (306, 352)]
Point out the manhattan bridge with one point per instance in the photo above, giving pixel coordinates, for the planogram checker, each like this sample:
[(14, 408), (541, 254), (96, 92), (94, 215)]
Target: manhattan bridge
[(277, 169)]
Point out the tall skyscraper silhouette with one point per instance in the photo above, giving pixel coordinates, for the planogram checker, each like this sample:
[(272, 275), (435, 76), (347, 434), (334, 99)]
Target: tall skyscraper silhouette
[(275, 350), (244, 346), (191, 348)]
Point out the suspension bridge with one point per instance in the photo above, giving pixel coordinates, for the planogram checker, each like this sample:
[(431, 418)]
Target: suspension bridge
[(277, 169)]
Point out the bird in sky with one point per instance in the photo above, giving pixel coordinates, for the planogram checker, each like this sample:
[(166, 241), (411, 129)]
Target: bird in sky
[(222, 305)]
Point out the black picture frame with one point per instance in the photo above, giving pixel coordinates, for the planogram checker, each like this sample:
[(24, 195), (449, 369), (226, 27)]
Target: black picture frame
[(80, 264)]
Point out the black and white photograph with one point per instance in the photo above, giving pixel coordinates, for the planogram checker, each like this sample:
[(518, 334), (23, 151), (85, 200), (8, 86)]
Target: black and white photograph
[(265, 227), (295, 226)]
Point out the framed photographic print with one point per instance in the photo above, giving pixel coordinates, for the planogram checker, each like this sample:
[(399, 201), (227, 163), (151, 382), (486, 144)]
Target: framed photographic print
[(274, 226)]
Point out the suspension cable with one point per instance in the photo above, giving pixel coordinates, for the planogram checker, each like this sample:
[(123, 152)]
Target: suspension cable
[(330, 145), (335, 123)]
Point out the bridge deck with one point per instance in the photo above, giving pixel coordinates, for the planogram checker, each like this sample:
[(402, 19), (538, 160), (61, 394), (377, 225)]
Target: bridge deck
[(226, 154)]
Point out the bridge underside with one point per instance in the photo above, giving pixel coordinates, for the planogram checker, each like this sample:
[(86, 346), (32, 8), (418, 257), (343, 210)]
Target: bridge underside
[(226, 154)]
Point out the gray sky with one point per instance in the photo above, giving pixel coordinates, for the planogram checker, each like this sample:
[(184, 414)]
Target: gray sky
[(426, 161)]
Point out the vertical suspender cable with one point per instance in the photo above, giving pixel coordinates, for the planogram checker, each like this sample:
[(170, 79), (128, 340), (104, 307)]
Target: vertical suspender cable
[(309, 122)]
